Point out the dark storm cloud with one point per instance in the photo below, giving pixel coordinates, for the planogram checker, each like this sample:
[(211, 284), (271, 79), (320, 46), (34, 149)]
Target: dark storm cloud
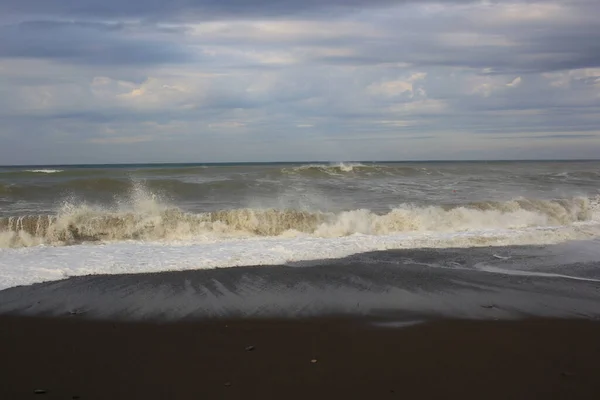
[(536, 46), (85, 42), (545, 45), (195, 9), (350, 74)]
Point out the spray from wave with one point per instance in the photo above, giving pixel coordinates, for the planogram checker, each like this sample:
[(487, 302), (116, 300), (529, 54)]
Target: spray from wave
[(44, 171), (347, 169), (330, 169), (143, 216)]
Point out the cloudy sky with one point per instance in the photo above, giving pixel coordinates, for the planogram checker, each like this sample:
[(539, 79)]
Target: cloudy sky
[(95, 81)]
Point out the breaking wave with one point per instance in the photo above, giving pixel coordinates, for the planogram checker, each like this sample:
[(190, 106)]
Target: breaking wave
[(44, 171), (331, 169), (145, 217), (358, 169)]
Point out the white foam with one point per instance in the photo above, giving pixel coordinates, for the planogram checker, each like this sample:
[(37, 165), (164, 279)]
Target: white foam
[(348, 167), (331, 169), (503, 271), (44, 171), (397, 324), (22, 266), (144, 216)]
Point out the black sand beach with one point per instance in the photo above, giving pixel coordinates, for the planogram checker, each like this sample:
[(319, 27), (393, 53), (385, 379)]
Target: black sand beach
[(73, 358), (514, 322), (558, 281), (277, 199)]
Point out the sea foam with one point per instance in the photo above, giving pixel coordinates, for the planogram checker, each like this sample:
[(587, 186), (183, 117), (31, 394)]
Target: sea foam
[(144, 216)]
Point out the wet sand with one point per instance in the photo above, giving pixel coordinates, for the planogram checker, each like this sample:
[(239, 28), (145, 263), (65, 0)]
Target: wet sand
[(70, 358)]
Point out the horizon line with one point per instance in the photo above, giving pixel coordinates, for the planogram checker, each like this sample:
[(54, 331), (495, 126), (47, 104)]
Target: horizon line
[(302, 162)]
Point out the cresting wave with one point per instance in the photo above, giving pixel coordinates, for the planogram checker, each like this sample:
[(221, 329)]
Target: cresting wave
[(33, 172), (347, 169), (331, 169), (44, 171), (147, 219)]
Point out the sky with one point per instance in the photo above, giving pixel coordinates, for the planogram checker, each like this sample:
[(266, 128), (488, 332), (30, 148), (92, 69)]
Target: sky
[(113, 81)]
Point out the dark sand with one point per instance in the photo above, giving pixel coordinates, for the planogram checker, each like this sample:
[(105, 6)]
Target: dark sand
[(75, 358)]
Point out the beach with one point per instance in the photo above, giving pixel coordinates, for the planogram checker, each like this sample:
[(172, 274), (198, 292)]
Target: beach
[(72, 358), (366, 326), (318, 199), (348, 280)]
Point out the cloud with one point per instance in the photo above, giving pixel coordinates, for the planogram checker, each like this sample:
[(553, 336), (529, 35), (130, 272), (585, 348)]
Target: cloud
[(486, 85), (152, 93), (564, 79), (121, 140), (459, 40), (521, 12), (421, 107), (206, 80), (567, 136), (518, 37), (398, 87), (198, 9), (515, 82), (226, 125), (89, 43)]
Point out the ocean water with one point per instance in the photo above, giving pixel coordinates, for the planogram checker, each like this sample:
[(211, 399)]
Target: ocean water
[(65, 221)]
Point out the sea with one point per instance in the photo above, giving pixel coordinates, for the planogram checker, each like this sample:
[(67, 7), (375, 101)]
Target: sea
[(466, 239)]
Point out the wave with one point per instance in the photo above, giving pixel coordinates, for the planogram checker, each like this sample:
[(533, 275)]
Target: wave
[(43, 190), (63, 173), (357, 169), (331, 169), (87, 172), (44, 171), (578, 175), (5, 189), (111, 187), (145, 217)]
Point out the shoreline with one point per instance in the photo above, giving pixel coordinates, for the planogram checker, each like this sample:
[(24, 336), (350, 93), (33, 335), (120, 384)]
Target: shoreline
[(392, 284), (75, 357)]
